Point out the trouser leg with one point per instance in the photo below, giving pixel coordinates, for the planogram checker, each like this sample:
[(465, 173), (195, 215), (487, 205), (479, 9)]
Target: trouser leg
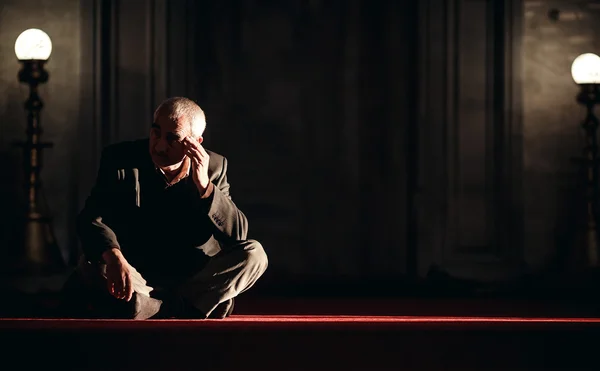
[(229, 273)]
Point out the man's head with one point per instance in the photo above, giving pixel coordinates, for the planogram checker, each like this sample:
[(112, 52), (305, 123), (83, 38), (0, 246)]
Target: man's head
[(175, 119)]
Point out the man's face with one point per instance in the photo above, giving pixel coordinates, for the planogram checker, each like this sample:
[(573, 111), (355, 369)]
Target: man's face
[(166, 148)]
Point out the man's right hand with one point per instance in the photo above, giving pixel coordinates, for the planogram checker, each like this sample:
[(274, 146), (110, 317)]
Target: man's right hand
[(121, 278)]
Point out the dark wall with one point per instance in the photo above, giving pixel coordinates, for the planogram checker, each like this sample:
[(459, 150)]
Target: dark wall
[(310, 101), (366, 139), (551, 131), (468, 202), (60, 117)]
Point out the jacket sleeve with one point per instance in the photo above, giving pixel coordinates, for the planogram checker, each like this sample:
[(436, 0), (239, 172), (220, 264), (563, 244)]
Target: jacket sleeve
[(95, 236), (231, 223)]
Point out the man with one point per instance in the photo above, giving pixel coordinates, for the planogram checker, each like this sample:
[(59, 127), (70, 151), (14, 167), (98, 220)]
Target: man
[(161, 237)]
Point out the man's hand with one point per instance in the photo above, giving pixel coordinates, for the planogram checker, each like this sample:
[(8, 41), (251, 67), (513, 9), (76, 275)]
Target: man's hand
[(200, 160), (121, 278)]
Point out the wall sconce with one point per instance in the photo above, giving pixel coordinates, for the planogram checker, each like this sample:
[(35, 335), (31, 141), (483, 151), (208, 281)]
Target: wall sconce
[(41, 253), (585, 71)]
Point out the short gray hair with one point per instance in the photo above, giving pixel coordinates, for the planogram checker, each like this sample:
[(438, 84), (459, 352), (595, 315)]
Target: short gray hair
[(177, 107)]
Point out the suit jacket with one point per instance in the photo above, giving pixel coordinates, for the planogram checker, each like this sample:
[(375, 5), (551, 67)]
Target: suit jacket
[(119, 213)]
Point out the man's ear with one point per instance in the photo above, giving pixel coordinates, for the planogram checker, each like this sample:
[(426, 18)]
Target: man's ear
[(200, 140)]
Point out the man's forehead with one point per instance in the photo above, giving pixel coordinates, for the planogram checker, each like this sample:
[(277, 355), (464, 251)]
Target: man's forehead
[(169, 124)]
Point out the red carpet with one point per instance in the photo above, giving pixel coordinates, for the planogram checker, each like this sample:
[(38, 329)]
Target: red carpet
[(290, 342), (304, 322), (321, 334)]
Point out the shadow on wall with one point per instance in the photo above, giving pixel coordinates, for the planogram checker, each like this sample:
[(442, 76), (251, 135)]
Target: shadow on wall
[(571, 229), (570, 221), (11, 185)]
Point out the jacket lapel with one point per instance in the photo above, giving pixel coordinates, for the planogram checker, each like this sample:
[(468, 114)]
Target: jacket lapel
[(136, 177), (129, 186)]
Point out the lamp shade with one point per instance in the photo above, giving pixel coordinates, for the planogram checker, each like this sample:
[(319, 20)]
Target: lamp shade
[(586, 69), (33, 44)]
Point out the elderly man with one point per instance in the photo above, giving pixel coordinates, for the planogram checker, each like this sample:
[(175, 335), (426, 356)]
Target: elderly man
[(161, 236)]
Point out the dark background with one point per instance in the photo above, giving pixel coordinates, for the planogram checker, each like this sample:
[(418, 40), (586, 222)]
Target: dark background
[(371, 143)]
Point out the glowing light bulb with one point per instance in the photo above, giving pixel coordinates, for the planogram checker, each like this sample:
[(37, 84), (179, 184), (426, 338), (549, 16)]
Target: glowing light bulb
[(586, 69), (33, 44)]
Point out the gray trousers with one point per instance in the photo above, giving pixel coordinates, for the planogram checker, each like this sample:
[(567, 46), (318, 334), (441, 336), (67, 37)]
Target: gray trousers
[(226, 275)]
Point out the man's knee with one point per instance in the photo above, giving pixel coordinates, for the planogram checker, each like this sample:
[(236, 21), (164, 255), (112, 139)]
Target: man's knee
[(256, 255)]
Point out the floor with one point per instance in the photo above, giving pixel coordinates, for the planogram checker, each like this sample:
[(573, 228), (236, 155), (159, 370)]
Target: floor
[(322, 334)]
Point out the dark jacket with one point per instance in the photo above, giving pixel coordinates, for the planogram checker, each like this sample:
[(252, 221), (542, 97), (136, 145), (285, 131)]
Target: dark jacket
[(165, 230)]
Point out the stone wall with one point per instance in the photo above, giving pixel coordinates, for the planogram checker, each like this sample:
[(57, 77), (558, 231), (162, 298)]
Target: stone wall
[(555, 33), (59, 118)]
